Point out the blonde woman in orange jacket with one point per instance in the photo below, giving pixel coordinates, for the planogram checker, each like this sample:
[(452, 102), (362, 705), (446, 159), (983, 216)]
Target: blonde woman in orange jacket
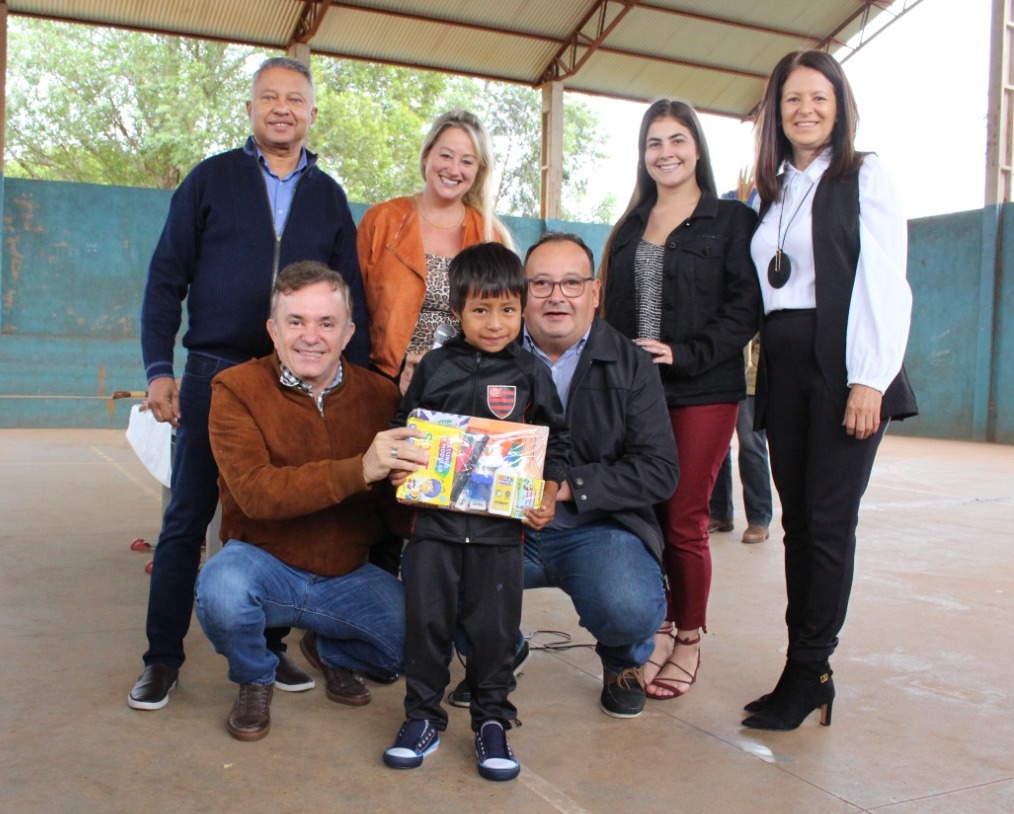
[(405, 244)]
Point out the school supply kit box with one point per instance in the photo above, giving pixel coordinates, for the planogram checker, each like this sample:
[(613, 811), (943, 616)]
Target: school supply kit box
[(477, 465)]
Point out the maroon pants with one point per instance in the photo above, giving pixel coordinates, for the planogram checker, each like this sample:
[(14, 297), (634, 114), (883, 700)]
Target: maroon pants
[(702, 434)]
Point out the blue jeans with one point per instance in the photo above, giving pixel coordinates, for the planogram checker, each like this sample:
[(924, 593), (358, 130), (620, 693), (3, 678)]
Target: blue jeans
[(613, 581), (753, 473), (359, 618), (194, 497)]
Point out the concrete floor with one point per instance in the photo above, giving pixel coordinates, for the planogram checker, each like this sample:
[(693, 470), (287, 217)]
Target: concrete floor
[(922, 723)]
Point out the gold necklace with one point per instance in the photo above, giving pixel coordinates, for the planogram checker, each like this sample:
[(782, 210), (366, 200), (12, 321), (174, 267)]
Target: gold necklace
[(457, 225)]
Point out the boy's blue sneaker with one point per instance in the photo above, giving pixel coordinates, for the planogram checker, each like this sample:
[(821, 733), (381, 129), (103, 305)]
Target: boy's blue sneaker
[(496, 760), (415, 740)]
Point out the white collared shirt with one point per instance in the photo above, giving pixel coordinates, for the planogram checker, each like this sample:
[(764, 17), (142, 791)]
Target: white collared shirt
[(881, 307)]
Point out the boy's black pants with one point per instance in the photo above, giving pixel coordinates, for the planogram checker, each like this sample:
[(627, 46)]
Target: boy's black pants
[(487, 581)]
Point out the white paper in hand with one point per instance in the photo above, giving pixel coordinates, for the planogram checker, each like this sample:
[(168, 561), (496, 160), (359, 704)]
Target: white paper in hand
[(152, 442)]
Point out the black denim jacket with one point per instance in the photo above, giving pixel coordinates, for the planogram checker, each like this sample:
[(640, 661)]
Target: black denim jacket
[(710, 298)]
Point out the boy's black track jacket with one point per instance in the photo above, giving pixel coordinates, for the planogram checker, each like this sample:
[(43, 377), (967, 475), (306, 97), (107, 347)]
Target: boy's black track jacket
[(456, 378)]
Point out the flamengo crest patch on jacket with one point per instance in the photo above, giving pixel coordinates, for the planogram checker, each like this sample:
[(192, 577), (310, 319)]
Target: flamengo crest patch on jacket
[(501, 399)]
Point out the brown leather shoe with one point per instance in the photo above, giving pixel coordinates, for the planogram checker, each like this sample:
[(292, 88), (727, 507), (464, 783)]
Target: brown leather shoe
[(346, 686), (250, 718), (308, 646), (755, 533), (343, 685), (719, 525)]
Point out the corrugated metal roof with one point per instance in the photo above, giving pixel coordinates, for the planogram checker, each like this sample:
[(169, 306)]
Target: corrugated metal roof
[(712, 53)]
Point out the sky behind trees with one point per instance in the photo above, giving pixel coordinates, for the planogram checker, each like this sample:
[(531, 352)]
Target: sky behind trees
[(922, 88), (75, 113)]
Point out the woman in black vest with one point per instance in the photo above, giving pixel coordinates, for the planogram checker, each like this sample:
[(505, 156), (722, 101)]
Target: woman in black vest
[(678, 280), (830, 250)]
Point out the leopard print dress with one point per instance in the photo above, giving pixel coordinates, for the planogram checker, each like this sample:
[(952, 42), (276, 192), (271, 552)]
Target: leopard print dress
[(436, 307)]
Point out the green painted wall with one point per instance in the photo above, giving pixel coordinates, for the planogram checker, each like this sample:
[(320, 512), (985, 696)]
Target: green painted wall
[(74, 258)]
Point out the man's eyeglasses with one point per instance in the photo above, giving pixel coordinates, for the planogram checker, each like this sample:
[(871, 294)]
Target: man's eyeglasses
[(542, 287)]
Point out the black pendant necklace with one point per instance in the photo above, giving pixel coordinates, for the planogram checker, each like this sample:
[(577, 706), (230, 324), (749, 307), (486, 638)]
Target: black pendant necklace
[(780, 266), (779, 269)]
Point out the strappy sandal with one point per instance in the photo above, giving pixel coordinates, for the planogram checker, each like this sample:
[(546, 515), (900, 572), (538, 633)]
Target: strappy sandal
[(670, 683), (666, 629)]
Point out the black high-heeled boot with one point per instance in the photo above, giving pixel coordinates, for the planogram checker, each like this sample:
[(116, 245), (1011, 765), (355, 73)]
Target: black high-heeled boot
[(759, 703), (803, 687)]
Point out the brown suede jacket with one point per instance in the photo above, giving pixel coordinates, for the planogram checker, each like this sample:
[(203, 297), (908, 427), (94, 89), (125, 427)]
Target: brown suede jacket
[(291, 478), (393, 265)]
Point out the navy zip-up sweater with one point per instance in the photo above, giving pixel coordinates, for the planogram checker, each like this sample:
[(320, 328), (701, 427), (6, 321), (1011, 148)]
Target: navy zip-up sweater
[(218, 251)]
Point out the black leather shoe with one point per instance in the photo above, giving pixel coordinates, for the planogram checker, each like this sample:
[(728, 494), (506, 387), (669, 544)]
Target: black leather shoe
[(152, 688), (380, 678), (521, 657), (250, 719), (343, 685), (290, 677), (461, 696)]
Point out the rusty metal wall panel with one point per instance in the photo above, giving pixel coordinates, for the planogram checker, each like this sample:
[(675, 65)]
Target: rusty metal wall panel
[(515, 40), (554, 19), (402, 40), (268, 22)]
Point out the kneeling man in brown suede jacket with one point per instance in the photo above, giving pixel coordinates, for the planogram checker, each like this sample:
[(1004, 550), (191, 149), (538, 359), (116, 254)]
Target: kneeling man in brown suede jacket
[(303, 454)]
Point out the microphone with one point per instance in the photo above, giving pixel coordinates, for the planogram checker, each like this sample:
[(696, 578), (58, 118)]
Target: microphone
[(442, 334)]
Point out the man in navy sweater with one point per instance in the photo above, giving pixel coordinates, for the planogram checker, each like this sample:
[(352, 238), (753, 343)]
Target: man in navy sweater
[(235, 221)]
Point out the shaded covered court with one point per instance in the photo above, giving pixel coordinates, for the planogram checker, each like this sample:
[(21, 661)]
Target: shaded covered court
[(922, 722)]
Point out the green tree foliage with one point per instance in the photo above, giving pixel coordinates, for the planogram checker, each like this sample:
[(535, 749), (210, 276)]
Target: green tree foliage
[(104, 106), (513, 115), (371, 121)]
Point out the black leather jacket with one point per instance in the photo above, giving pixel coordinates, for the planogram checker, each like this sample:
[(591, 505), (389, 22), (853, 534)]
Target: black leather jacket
[(454, 379), (711, 298), (623, 457)]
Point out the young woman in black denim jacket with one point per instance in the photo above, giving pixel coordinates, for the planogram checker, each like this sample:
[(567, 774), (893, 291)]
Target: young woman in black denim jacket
[(679, 281)]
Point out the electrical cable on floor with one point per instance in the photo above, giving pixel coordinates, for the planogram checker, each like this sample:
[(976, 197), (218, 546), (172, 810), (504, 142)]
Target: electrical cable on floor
[(563, 640)]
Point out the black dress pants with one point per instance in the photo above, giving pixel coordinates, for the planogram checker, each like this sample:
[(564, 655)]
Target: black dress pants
[(821, 474)]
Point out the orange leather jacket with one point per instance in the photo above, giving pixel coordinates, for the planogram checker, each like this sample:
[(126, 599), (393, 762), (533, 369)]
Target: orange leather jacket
[(393, 265)]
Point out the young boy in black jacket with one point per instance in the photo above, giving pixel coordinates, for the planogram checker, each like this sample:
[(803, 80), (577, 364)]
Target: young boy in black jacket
[(465, 560)]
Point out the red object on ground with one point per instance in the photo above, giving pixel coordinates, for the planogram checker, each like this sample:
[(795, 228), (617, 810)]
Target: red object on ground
[(139, 544), (148, 566)]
